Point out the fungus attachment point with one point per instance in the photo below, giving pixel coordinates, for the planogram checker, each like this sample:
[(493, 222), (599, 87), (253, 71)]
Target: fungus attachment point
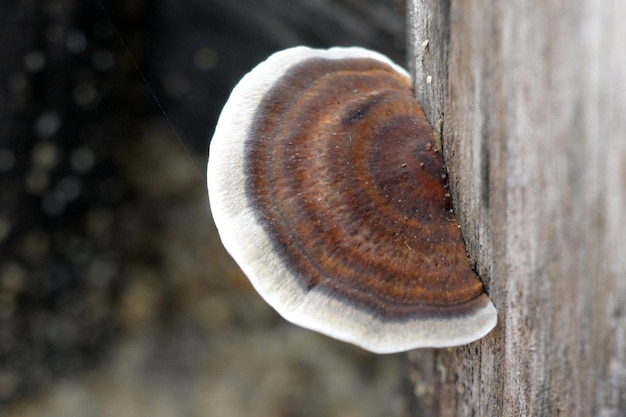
[(327, 191)]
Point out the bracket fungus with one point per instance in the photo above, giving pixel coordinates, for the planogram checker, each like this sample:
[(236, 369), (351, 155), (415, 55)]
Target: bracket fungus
[(327, 191)]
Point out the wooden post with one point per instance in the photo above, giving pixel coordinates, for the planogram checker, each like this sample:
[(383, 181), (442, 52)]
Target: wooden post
[(532, 99)]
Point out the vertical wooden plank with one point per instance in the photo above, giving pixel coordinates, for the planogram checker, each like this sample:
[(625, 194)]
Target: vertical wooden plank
[(533, 96), (428, 38)]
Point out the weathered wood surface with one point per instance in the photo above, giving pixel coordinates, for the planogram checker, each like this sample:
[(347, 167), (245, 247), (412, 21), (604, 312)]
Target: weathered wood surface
[(532, 95)]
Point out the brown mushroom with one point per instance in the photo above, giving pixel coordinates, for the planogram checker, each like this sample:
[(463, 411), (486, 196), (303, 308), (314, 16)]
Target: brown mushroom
[(328, 192)]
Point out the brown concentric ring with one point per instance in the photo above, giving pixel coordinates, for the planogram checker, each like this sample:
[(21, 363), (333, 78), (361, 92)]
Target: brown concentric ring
[(345, 179)]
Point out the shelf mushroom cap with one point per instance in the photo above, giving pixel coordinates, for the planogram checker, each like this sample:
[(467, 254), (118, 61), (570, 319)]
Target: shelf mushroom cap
[(327, 190)]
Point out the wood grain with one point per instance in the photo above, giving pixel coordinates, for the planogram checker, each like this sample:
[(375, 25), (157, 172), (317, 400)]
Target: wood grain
[(533, 99)]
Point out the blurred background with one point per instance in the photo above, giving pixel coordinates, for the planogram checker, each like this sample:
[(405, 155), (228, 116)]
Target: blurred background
[(116, 296)]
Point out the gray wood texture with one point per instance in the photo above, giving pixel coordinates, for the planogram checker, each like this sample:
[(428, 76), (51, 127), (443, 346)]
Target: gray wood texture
[(530, 98)]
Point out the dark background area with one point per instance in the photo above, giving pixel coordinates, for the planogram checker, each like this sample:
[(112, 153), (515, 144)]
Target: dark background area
[(116, 297)]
